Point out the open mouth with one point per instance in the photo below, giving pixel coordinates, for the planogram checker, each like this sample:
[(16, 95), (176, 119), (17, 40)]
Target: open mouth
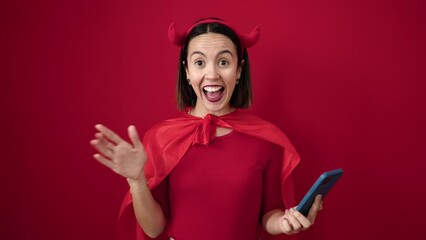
[(213, 93)]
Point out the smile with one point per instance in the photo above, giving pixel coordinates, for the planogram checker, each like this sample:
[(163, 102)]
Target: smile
[(213, 93)]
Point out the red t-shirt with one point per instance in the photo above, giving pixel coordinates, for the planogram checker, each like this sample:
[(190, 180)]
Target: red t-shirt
[(222, 190)]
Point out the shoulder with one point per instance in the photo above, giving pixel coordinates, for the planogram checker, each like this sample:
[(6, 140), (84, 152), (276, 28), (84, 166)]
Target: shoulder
[(246, 119), (170, 126), (251, 116), (255, 126), (166, 124)]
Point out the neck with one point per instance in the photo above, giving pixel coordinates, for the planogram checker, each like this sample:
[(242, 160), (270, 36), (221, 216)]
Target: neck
[(202, 112)]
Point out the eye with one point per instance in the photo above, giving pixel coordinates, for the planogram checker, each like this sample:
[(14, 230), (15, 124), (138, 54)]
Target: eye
[(223, 62), (199, 63)]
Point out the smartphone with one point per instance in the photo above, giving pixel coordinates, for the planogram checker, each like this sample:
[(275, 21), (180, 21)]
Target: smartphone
[(322, 186)]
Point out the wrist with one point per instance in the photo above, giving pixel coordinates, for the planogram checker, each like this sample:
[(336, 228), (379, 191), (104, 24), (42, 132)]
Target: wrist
[(138, 176), (137, 183)]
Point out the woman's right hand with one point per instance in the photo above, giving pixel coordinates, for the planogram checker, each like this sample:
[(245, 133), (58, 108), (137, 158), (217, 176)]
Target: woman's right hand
[(126, 159)]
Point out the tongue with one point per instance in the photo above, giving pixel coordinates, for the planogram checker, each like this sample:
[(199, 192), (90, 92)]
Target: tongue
[(213, 96)]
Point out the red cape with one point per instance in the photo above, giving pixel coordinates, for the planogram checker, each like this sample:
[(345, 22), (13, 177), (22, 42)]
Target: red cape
[(167, 142)]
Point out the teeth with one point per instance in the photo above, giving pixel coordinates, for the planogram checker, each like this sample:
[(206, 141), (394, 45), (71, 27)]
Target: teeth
[(212, 89)]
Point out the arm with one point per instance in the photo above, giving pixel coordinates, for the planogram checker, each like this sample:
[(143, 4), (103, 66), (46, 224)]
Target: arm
[(148, 212), (290, 221), (128, 160)]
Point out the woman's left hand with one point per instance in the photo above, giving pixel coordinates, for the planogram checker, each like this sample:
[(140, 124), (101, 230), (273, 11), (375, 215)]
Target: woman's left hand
[(294, 222)]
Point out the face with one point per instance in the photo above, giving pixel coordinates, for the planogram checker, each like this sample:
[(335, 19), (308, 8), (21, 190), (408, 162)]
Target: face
[(212, 69)]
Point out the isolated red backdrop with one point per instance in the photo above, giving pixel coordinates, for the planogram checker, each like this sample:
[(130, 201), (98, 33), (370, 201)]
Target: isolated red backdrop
[(344, 79)]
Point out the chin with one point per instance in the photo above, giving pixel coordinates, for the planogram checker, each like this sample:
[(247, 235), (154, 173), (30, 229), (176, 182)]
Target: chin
[(219, 108)]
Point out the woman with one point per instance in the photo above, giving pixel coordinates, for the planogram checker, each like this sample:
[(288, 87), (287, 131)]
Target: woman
[(216, 172)]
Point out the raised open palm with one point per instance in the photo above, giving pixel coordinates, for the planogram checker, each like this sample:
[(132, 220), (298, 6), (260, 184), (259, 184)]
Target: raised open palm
[(124, 158)]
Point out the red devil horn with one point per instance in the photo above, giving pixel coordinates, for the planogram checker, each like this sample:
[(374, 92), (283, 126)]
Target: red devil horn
[(176, 37), (251, 38)]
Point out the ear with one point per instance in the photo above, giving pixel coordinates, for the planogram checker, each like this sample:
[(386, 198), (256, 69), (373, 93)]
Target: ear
[(240, 69), (186, 69)]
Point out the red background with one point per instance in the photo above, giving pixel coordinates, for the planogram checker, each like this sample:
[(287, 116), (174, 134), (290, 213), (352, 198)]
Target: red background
[(344, 79)]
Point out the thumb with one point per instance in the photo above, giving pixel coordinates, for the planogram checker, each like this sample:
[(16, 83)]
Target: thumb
[(134, 136)]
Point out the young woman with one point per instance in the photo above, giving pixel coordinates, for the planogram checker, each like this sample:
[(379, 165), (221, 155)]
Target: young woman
[(217, 172)]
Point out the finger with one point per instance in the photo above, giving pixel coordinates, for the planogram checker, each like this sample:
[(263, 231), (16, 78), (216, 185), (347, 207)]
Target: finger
[(104, 161), (316, 206), (304, 222), (104, 141), (134, 137), (296, 225), (287, 229), (108, 133), (102, 148)]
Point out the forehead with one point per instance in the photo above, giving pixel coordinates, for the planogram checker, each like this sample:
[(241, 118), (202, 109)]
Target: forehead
[(211, 42)]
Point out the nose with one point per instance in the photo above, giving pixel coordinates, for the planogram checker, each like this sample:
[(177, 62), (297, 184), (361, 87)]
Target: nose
[(211, 72)]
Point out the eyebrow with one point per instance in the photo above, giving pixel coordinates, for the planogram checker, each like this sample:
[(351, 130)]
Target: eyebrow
[(220, 53)]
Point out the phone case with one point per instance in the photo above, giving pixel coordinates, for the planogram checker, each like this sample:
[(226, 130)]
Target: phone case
[(322, 186)]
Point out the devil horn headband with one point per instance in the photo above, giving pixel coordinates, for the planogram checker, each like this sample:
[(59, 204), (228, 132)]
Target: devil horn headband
[(247, 40)]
